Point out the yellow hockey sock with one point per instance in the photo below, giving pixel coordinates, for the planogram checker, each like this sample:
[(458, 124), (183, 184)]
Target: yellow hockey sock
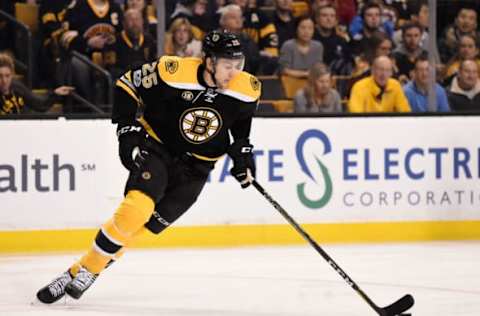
[(126, 224)]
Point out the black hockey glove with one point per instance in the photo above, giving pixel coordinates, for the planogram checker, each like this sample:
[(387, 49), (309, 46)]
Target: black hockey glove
[(129, 138), (241, 152)]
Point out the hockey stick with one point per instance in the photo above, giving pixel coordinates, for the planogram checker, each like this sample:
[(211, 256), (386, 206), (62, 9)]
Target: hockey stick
[(394, 309)]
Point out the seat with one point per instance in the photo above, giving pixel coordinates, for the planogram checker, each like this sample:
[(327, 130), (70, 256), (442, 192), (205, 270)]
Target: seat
[(291, 85), (28, 15), (266, 107), (300, 8), (283, 106), (272, 88)]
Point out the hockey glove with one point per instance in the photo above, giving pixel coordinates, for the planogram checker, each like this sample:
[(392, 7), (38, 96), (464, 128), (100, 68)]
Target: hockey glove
[(241, 152), (129, 139)]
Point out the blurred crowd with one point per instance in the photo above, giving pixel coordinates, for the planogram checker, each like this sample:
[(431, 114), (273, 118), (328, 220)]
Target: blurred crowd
[(318, 56)]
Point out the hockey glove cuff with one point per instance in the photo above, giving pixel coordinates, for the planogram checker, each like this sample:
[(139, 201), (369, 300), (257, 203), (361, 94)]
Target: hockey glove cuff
[(129, 139), (241, 152)]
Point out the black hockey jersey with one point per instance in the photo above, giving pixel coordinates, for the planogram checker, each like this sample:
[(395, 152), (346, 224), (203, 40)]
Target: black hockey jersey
[(52, 15), (261, 30), (181, 111), (86, 20), (21, 99)]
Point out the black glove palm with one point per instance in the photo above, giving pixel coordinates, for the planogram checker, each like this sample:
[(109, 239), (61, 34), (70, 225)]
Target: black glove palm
[(129, 138), (241, 152)]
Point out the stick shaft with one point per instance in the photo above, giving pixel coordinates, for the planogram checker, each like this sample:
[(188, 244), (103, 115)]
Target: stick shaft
[(319, 249)]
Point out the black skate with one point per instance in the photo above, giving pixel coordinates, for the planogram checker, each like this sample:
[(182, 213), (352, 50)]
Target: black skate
[(80, 283), (55, 290)]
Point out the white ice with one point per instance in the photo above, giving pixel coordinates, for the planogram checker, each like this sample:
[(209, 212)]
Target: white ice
[(443, 277)]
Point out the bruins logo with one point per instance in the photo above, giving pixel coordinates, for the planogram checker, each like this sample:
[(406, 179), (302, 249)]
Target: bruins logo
[(199, 125), (255, 83), (171, 66)]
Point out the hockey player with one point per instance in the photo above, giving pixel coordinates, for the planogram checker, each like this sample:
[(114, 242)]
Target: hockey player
[(191, 109)]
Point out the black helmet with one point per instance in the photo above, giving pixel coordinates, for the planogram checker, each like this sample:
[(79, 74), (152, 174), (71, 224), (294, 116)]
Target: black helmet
[(222, 44)]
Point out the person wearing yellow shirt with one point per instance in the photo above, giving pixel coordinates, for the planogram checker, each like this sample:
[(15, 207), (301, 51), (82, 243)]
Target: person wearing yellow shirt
[(379, 92)]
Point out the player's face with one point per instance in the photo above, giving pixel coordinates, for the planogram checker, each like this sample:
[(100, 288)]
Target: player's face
[(226, 69), (6, 76)]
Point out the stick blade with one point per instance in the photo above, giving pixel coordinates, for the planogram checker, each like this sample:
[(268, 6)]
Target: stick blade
[(400, 306)]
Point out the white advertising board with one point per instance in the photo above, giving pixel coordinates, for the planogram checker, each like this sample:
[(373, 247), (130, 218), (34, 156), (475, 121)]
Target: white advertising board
[(66, 174)]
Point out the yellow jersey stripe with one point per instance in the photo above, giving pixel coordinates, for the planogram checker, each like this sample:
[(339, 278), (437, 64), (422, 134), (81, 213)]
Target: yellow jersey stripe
[(149, 129), (270, 28), (127, 89)]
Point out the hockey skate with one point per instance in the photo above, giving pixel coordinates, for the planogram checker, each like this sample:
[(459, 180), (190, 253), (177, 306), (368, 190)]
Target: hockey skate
[(80, 283), (55, 290)]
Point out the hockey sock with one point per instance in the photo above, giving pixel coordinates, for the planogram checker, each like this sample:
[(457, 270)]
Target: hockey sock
[(119, 231)]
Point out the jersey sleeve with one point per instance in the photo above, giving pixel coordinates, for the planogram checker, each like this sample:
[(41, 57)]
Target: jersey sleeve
[(131, 89), (246, 89)]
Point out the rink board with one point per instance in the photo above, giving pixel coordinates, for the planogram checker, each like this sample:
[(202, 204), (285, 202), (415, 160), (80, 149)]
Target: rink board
[(347, 179)]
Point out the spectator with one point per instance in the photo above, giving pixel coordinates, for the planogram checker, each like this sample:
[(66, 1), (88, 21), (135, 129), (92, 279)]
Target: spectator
[(366, 25), (406, 54), (91, 28), (52, 14), (134, 46), (149, 18), (419, 14), (464, 92), (379, 92), (298, 55), (195, 11), (180, 40), (284, 21), (465, 23), (231, 20), (16, 98), (468, 49), (417, 89), (262, 31), (318, 96), (380, 45), (334, 43)]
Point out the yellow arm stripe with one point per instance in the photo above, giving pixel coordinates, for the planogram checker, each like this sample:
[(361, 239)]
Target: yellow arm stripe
[(126, 80), (149, 129), (128, 90), (269, 28)]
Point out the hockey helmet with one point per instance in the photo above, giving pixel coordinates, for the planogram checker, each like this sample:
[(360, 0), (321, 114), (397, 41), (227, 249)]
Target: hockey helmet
[(222, 45)]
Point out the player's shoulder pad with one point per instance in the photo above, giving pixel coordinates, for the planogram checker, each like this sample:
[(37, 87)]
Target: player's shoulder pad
[(180, 72), (244, 87)]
